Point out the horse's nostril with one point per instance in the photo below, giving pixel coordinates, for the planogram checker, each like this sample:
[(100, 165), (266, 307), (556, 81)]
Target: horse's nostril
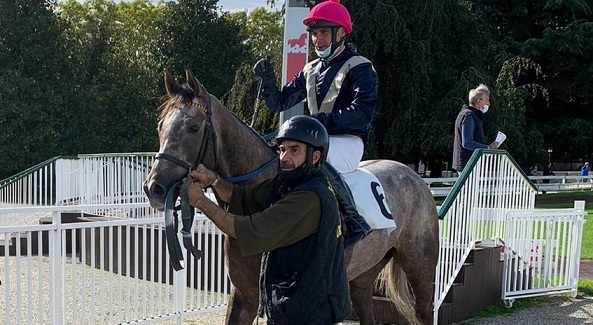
[(157, 191)]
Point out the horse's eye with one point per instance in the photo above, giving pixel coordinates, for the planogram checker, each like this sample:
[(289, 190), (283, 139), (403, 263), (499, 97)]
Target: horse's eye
[(194, 128)]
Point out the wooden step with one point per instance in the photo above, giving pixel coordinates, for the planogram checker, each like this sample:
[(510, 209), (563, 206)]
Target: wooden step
[(477, 286)]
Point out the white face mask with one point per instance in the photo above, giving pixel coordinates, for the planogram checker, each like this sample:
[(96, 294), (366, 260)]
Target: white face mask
[(485, 109), (325, 53)]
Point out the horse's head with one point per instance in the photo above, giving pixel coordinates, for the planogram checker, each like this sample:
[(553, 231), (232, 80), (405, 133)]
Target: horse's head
[(185, 133)]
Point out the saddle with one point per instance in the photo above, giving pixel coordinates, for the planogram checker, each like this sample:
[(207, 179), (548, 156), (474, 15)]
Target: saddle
[(370, 199)]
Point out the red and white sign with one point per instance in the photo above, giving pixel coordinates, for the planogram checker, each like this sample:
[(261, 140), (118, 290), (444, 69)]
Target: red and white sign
[(296, 43)]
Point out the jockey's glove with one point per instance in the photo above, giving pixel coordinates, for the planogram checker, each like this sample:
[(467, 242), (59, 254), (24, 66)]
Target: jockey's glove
[(264, 69)]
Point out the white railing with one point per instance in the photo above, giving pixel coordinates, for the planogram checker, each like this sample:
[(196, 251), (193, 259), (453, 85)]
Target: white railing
[(109, 262), (112, 178), (110, 186), (542, 252), (440, 187), (85, 179), (36, 185), (476, 211), (104, 272)]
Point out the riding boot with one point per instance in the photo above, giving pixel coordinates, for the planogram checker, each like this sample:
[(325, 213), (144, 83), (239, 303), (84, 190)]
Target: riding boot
[(356, 227)]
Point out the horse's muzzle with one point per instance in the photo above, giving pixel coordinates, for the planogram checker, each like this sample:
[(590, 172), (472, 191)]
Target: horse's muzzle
[(156, 193)]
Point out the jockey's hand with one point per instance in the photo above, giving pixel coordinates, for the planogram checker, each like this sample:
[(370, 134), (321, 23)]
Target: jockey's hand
[(263, 68), (493, 145), (203, 176)]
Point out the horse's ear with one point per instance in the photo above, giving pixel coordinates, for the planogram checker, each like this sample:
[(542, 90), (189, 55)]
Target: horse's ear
[(170, 84), (198, 88)]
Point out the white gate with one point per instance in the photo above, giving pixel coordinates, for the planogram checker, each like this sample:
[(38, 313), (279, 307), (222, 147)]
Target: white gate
[(493, 200), (542, 252), (104, 270), (79, 244)]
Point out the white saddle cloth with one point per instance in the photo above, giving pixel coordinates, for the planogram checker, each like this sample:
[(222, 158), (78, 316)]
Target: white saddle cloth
[(369, 198)]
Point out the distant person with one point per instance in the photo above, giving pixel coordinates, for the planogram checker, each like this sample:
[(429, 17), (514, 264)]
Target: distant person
[(469, 129), (533, 170), (547, 172), (585, 169)]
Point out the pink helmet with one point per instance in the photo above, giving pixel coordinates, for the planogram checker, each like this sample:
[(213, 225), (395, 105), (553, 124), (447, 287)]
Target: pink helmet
[(329, 11)]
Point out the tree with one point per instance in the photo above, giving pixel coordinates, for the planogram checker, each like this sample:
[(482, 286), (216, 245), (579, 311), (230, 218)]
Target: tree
[(197, 35), (263, 33), (119, 72), (427, 56), (34, 83), (548, 44)]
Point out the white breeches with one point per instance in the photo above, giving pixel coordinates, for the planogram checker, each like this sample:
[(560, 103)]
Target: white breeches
[(345, 152)]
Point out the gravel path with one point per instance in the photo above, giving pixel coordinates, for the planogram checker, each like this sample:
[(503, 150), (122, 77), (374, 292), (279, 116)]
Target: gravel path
[(563, 310)]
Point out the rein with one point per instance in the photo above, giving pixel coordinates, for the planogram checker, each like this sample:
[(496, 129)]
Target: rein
[(172, 224)]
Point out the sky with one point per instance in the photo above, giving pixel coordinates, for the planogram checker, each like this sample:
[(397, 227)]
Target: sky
[(233, 5)]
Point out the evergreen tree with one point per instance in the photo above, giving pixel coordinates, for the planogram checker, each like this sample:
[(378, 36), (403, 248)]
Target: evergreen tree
[(427, 56), (197, 35), (263, 32), (34, 84), (546, 66)]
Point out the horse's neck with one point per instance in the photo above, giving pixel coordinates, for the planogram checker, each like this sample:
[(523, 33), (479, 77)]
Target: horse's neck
[(239, 150)]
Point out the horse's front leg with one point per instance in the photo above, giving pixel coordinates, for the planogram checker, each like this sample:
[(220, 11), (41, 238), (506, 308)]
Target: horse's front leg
[(244, 274)]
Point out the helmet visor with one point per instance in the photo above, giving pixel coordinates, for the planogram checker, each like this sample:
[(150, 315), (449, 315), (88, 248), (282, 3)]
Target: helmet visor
[(321, 24)]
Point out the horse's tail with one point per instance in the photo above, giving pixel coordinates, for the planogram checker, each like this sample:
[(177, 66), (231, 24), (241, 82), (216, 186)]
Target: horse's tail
[(393, 279)]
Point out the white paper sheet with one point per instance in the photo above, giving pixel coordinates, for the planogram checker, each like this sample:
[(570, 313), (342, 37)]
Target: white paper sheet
[(500, 137)]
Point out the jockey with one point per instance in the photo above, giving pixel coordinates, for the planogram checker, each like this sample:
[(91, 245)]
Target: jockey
[(340, 87)]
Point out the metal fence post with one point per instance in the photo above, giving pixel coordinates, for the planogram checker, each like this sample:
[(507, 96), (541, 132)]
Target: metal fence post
[(179, 284), (56, 273)]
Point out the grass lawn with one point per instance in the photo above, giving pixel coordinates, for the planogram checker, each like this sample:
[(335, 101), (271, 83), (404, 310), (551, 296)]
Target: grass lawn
[(553, 201)]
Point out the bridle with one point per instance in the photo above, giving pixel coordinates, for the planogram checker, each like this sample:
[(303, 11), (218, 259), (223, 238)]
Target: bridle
[(179, 189), (208, 133)]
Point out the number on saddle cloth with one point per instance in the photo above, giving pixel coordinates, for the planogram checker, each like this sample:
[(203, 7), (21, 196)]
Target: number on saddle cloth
[(370, 199)]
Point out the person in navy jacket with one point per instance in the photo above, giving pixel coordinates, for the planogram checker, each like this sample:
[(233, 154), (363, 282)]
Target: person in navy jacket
[(340, 88)]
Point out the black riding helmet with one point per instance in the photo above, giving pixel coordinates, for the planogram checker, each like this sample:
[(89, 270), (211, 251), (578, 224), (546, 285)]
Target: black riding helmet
[(309, 131)]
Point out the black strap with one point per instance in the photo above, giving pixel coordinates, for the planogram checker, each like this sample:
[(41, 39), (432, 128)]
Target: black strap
[(187, 218), (172, 159), (172, 225)]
